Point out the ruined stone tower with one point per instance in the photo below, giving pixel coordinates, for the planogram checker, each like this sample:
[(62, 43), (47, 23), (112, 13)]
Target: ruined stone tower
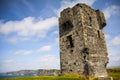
[(82, 41)]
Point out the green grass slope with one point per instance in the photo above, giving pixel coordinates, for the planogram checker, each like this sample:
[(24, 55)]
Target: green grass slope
[(112, 72)]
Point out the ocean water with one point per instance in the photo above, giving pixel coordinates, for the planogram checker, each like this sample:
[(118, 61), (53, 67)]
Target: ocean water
[(13, 76), (10, 76)]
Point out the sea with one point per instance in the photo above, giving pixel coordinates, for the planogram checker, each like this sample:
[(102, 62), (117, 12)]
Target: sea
[(1, 76)]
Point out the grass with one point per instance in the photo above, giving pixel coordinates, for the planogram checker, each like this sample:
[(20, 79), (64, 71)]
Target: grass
[(64, 77), (112, 72), (45, 78)]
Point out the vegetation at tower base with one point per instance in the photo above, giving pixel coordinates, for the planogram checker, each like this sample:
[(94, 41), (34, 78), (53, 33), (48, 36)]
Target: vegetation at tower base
[(82, 42), (112, 72), (64, 77)]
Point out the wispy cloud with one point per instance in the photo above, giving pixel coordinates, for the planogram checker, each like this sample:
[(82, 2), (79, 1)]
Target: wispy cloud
[(57, 40), (113, 50), (13, 65), (27, 28), (107, 36), (49, 62), (23, 52), (114, 59), (29, 5), (111, 10), (71, 3), (115, 41), (56, 32), (45, 48), (12, 39), (44, 62), (8, 61), (6, 65)]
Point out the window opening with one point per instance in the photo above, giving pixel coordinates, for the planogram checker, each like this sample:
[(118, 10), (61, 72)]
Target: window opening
[(70, 41), (98, 33), (67, 25), (90, 21)]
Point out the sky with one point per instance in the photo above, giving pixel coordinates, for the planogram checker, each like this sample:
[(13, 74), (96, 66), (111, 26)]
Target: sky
[(29, 35)]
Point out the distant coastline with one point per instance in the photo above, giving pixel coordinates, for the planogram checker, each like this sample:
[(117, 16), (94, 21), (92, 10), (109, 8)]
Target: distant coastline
[(23, 73)]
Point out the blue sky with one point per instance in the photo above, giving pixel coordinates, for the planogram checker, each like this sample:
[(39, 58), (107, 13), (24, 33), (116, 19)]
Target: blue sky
[(29, 36)]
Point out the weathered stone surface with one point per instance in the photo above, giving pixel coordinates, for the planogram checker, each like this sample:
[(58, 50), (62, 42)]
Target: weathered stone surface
[(82, 42)]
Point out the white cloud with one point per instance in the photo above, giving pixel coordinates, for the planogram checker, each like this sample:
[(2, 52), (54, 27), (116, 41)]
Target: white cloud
[(111, 10), (6, 65), (107, 36), (49, 62), (23, 52), (69, 3), (45, 48), (43, 62), (27, 27), (114, 58), (56, 32), (27, 4), (115, 41), (57, 40), (12, 39), (113, 52), (16, 39), (12, 66), (8, 61)]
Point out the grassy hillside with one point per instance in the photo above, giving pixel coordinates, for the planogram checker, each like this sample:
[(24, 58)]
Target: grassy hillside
[(112, 72), (65, 77)]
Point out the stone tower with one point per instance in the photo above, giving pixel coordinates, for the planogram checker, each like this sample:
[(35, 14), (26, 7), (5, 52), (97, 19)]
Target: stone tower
[(82, 41)]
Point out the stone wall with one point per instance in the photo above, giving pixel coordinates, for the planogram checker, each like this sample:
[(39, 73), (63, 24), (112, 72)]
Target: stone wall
[(82, 42)]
